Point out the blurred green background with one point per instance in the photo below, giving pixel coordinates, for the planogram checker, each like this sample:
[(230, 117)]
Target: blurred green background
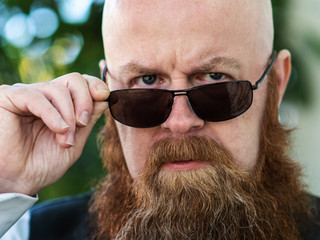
[(43, 39)]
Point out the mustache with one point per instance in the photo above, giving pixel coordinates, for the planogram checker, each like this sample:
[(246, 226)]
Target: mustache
[(188, 148)]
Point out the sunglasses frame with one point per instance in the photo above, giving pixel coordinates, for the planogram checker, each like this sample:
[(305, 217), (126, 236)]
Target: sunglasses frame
[(186, 91)]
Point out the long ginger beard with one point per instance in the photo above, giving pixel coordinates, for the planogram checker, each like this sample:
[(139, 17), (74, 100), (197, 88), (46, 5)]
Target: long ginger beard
[(218, 201)]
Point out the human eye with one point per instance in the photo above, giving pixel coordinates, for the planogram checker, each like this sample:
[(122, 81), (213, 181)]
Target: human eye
[(217, 76), (147, 80), (213, 77)]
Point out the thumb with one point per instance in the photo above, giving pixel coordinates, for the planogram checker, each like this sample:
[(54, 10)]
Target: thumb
[(83, 133)]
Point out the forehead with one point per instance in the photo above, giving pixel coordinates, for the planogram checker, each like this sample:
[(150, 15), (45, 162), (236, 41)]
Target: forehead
[(180, 9), (155, 29), (175, 12)]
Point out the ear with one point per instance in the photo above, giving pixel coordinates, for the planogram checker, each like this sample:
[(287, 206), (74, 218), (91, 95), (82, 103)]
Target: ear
[(283, 71), (102, 64)]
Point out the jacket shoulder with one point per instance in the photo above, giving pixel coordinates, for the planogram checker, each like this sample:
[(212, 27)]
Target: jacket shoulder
[(63, 218), (311, 229)]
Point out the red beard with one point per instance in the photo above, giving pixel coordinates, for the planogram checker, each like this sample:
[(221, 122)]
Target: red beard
[(220, 201)]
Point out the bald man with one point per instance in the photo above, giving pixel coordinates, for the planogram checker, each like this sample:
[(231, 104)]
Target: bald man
[(192, 142)]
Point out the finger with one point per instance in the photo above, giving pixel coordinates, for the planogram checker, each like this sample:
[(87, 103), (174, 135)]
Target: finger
[(82, 134), (98, 109), (82, 99), (60, 97), (26, 101), (98, 89)]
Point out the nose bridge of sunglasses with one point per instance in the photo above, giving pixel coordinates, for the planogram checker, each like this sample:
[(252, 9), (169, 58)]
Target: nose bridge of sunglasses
[(179, 93)]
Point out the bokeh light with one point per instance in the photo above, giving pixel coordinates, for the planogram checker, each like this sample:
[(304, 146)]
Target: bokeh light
[(19, 30), (66, 49), (74, 11), (45, 21), (4, 15), (37, 49)]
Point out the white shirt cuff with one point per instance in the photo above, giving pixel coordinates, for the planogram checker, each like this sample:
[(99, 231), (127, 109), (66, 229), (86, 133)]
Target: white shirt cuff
[(12, 207)]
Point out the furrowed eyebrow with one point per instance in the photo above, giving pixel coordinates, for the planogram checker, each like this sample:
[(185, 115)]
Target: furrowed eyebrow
[(208, 66), (215, 62), (133, 68)]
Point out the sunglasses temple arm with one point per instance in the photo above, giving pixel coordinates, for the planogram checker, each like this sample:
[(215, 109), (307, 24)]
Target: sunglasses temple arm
[(103, 77), (266, 72), (104, 73)]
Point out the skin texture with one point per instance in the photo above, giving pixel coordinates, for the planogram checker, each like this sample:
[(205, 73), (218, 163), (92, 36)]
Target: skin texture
[(175, 41), (176, 204), (44, 127), (45, 122)]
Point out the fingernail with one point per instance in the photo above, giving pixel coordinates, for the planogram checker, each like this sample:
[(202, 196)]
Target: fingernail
[(102, 88), (84, 118), (64, 125), (70, 139)]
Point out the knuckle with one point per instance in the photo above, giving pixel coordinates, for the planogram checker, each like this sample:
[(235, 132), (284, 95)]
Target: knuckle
[(10, 88), (85, 104), (19, 90), (4, 87), (70, 119), (58, 88), (74, 77), (47, 111), (65, 79), (18, 96), (89, 78), (19, 85), (32, 94)]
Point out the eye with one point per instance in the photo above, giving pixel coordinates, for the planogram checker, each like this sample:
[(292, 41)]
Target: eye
[(149, 79), (217, 76)]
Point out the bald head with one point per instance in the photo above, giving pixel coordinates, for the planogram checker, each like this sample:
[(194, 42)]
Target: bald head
[(246, 18)]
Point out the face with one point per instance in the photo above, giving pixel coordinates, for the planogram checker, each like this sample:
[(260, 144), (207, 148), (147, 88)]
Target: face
[(159, 44)]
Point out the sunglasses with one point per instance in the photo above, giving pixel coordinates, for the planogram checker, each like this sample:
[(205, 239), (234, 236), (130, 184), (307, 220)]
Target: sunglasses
[(146, 108)]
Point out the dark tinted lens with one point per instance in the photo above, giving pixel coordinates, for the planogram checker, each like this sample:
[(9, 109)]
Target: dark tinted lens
[(140, 108), (221, 101)]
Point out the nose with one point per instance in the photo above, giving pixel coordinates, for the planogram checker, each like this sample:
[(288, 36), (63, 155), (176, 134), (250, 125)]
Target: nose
[(182, 119)]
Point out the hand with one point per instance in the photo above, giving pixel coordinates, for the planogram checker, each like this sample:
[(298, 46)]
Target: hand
[(44, 127)]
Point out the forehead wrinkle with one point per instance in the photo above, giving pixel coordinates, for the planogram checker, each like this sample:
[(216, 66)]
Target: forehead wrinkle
[(124, 14), (132, 68)]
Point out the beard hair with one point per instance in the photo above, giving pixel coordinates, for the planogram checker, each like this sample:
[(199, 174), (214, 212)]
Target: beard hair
[(213, 202), (219, 201)]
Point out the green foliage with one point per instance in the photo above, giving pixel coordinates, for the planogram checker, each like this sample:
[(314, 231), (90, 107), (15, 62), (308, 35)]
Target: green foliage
[(299, 87)]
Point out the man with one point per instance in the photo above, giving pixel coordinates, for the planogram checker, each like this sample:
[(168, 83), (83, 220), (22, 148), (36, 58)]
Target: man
[(205, 160)]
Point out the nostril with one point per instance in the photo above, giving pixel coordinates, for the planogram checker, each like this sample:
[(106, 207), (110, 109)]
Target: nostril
[(182, 119)]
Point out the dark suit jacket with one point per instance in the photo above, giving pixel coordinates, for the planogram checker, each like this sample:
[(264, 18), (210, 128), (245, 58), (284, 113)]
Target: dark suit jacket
[(61, 219), (65, 219)]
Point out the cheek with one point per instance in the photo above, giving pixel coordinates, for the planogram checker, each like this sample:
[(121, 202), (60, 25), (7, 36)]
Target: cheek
[(250, 132), (241, 136), (246, 151), (135, 144), (241, 139)]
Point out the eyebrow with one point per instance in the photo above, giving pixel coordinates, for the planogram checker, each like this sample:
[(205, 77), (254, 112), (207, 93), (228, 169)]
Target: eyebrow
[(208, 66), (137, 69), (213, 63)]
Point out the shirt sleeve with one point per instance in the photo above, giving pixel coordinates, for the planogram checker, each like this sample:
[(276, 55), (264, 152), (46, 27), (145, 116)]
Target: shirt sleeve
[(12, 207), (20, 230)]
